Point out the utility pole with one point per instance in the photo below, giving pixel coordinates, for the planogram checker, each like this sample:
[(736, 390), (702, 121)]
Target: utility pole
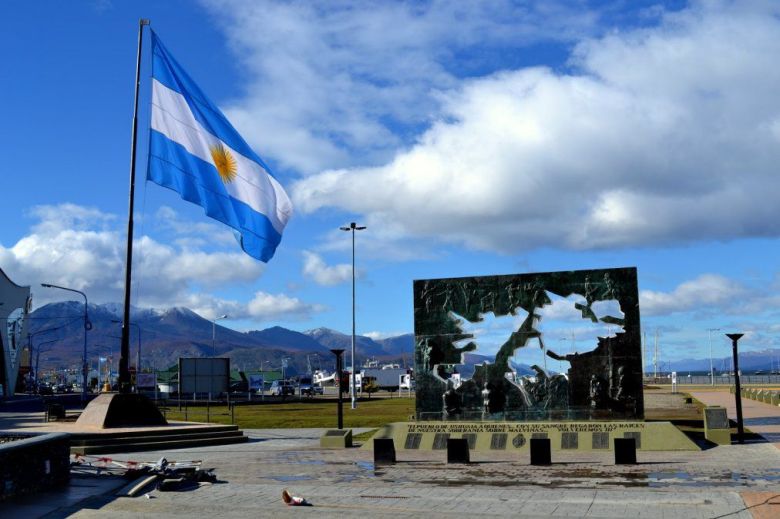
[(87, 327)]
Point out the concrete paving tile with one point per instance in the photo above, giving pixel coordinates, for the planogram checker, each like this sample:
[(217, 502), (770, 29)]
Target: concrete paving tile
[(344, 484)]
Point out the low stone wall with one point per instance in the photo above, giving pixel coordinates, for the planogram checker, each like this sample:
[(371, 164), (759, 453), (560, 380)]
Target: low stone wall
[(766, 396), (33, 462)]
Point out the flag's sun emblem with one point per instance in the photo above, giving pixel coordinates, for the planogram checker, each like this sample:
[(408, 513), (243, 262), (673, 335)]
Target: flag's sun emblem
[(226, 164)]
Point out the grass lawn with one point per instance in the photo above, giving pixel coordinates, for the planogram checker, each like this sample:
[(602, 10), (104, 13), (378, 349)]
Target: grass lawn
[(308, 413)]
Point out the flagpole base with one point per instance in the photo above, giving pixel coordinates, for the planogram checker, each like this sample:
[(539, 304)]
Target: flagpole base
[(110, 410)]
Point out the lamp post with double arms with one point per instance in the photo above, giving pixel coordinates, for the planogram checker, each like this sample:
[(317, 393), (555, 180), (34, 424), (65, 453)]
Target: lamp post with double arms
[(87, 327), (352, 228)]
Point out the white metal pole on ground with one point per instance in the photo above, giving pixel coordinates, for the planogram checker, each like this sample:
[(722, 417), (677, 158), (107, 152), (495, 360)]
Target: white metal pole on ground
[(712, 369), (655, 356), (214, 334)]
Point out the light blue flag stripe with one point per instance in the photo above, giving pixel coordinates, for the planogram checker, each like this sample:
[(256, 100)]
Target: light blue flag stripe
[(167, 71), (194, 151), (197, 181)]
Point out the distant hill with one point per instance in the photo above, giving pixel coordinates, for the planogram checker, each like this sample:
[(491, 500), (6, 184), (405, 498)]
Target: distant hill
[(169, 334), (293, 340), (331, 339), (749, 361), (166, 335)]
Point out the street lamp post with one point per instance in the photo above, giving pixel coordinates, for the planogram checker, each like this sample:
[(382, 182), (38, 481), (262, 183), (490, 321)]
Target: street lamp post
[(31, 347), (38, 358), (337, 352), (712, 369), (352, 228), (214, 334), (737, 389), (87, 327)]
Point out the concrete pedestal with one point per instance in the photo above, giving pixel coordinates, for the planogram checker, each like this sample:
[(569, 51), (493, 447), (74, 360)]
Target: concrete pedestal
[(111, 410), (716, 425), (336, 439)]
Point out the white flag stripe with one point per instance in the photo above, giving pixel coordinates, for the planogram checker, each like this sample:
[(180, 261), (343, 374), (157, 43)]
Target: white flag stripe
[(171, 116)]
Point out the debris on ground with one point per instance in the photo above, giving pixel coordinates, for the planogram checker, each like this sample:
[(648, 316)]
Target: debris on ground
[(165, 475), (291, 500)]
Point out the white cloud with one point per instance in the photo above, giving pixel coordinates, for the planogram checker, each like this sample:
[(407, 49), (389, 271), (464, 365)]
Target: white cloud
[(265, 306), (706, 292), (337, 83), (661, 135), (315, 268), (192, 234), (77, 247), (52, 219)]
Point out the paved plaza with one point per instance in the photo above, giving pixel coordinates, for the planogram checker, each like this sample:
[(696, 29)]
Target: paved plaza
[(734, 481), (761, 418), (717, 482)]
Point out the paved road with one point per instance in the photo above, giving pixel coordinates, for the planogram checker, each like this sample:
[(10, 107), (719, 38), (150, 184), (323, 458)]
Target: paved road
[(761, 418), (717, 482)]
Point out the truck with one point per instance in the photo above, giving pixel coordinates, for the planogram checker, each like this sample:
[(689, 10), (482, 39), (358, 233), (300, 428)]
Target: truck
[(385, 378), (306, 386)]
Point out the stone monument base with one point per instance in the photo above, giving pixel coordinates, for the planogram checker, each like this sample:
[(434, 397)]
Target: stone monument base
[(516, 436), (336, 439), (110, 410)]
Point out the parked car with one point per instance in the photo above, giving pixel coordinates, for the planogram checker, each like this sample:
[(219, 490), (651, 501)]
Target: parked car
[(307, 388), (282, 388)]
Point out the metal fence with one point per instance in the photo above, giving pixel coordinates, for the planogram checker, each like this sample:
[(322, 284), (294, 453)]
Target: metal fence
[(719, 380)]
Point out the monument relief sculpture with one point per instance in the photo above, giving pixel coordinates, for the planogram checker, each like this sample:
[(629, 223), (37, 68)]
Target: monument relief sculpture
[(604, 380)]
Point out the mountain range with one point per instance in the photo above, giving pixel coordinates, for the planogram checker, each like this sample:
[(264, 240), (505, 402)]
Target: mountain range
[(57, 331)]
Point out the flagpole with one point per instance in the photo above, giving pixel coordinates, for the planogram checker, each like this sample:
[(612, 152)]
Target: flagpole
[(124, 355)]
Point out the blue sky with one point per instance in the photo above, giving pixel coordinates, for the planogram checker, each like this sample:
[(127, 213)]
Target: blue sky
[(471, 138)]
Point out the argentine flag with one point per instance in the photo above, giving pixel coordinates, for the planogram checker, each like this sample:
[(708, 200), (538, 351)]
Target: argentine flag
[(194, 150)]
